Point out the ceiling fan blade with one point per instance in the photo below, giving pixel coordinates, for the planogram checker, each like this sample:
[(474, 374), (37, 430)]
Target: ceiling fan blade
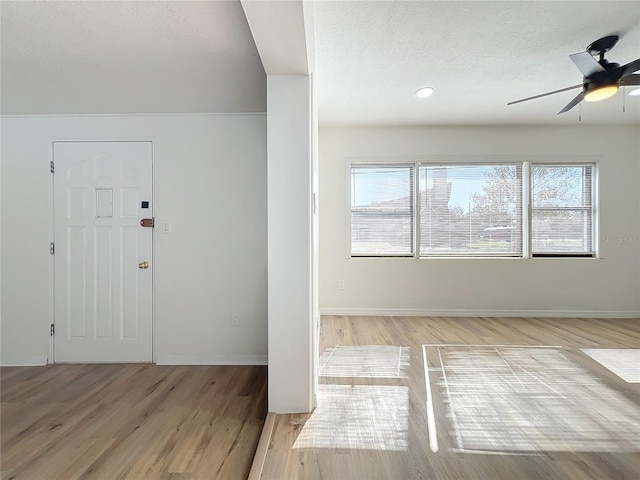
[(630, 80), (545, 94), (631, 67), (586, 63), (577, 99)]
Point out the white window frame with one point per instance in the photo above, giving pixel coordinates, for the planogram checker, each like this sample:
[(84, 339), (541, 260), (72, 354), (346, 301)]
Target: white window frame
[(382, 163), (594, 208), (525, 161), (466, 163)]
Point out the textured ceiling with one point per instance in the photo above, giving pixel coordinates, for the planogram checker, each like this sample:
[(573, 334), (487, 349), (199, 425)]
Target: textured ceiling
[(89, 57), (478, 55), (76, 57)]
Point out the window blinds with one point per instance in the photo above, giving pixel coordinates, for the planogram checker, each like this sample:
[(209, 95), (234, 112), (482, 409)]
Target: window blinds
[(470, 210), (561, 209), (382, 210)]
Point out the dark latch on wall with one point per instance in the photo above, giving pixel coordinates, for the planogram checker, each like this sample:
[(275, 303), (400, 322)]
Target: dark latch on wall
[(147, 222)]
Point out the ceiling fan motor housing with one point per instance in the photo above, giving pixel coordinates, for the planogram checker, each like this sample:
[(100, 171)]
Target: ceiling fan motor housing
[(611, 74), (591, 86)]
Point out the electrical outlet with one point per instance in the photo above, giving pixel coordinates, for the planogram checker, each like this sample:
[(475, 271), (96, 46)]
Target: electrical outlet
[(340, 284), (235, 319)]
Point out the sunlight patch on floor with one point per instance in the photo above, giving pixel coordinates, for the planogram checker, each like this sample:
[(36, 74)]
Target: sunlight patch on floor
[(365, 361), (515, 399), (359, 417), (624, 362)]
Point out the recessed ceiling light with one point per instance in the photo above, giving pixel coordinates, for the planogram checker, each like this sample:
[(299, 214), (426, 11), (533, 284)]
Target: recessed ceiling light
[(635, 92), (424, 92)]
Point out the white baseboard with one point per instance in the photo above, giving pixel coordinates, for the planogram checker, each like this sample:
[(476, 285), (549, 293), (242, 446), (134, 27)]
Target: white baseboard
[(419, 312), (211, 360), (25, 362)]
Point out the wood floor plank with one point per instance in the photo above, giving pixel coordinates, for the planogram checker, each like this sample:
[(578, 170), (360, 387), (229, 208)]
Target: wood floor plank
[(133, 422), (374, 425)]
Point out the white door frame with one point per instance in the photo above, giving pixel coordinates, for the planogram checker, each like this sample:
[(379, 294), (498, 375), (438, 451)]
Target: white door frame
[(51, 317)]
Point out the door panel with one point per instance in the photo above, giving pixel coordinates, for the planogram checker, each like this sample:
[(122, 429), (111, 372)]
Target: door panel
[(103, 304)]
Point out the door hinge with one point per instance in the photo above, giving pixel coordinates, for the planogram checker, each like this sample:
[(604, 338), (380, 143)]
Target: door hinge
[(51, 167), (53, 329), (52, 248)]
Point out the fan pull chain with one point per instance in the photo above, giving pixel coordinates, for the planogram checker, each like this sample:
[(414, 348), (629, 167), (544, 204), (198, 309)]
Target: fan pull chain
[(580, 112), (624, 101)]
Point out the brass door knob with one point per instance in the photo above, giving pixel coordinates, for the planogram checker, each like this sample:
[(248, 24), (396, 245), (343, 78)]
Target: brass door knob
[(143, 265)]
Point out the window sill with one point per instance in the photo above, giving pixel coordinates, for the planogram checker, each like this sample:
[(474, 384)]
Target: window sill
[(463, 257)]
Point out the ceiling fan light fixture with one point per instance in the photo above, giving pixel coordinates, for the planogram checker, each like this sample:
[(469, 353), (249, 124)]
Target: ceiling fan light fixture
[(600, 92), (424, 92), (635, 92)]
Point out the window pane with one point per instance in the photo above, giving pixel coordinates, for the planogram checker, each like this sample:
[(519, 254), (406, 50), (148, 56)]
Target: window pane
[(381, 210), (561, 186), (471, 210), (562, 231), (562, 209)]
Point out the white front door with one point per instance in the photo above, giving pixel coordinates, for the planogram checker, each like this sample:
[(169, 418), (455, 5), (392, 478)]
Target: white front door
[(103, 262)]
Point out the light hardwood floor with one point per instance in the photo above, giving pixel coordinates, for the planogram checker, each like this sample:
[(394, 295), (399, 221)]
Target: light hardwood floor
[(511, 413), (133, 422)]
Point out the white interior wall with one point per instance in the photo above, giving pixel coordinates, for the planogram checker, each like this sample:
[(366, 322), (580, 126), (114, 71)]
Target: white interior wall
[(209, 182), (606, 286)]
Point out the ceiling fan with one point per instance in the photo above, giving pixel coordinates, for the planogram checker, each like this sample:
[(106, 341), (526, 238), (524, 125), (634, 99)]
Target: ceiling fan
[(601, 78)]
